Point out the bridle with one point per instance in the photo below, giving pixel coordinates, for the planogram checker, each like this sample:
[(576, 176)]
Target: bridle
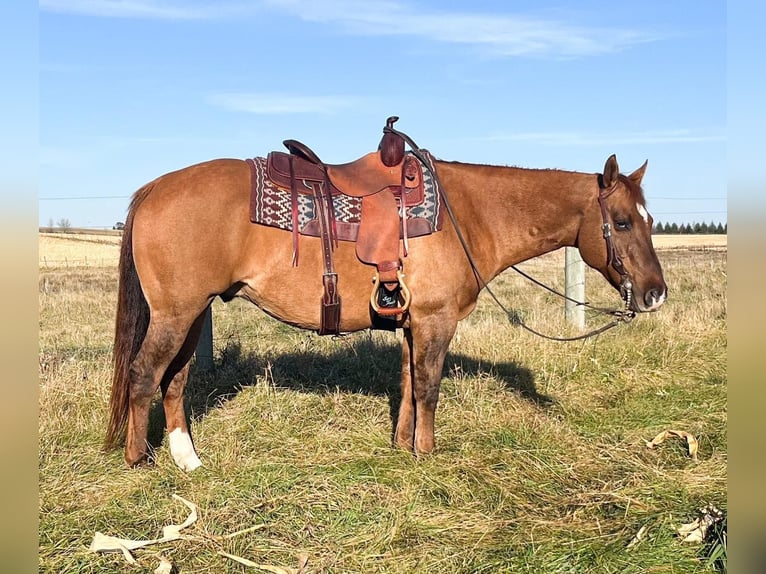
[(614, 260)]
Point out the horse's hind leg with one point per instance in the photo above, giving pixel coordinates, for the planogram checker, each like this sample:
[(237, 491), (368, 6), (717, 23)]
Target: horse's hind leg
[(181, 447), (164, 339)]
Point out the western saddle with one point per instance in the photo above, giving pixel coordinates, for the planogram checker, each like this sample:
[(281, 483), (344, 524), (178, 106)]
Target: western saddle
[(386, 181)]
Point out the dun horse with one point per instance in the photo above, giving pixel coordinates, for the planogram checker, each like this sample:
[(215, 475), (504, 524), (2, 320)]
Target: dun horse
[(188, 239)]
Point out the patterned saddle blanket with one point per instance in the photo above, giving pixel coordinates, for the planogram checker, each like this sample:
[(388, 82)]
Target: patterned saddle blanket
[(271, 205)]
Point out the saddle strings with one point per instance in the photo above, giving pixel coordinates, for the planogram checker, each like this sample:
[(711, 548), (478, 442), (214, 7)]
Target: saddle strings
[(514, 317)]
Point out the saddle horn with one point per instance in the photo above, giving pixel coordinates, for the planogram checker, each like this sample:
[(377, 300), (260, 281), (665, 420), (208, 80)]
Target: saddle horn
[(391, 145)]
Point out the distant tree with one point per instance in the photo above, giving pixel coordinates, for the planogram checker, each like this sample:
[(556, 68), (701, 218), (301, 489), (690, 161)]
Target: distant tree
[(697, 228), (658, 228), (726, 227), (64, 224), (673, 228), (719, 229)]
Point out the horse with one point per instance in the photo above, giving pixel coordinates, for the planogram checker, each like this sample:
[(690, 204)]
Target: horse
[(188, 239)]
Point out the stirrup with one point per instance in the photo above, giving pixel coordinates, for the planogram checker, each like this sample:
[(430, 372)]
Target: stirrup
[(390, 311)]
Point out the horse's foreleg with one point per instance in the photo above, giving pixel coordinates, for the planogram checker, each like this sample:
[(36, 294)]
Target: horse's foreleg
[(160, 346), (405, 423), (430, 340), (181, 447)]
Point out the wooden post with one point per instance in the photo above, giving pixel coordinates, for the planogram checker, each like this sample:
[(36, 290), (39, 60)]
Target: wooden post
[(574, 281), (204, 352)]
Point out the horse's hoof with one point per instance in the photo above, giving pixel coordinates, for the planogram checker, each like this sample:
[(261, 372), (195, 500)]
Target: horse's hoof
[(140, 462), (424, 449), (404, 444)]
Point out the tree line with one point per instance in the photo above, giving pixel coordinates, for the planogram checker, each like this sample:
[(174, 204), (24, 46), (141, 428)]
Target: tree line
[(691, 228)]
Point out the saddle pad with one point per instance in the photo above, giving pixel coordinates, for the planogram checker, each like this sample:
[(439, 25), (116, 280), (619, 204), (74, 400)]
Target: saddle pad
[(270, 205)]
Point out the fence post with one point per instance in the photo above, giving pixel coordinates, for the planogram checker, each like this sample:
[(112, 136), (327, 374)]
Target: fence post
[(574, 281), (204, 351)]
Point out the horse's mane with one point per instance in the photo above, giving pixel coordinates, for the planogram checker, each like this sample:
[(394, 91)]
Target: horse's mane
[(635, 191)]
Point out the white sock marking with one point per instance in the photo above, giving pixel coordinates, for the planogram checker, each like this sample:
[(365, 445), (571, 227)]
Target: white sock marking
[(182, 450)]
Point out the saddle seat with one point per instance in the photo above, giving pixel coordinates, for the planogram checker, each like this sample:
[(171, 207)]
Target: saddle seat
[(363, 177)]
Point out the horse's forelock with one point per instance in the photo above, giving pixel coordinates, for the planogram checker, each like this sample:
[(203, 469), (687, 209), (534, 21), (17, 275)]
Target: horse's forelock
[(635, 191)]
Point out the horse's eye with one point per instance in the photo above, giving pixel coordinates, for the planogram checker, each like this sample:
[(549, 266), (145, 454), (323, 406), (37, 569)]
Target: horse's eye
[(622, 225)]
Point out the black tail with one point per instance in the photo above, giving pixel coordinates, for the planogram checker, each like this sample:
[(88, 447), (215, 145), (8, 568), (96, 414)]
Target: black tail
[(130, 329)]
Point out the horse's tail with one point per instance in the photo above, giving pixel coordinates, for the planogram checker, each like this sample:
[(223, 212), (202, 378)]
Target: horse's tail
[(130, 328)]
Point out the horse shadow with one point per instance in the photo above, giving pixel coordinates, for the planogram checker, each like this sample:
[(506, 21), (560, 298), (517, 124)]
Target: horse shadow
[(363, 366)]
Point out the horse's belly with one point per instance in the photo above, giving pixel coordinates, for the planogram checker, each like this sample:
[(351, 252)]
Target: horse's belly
[(293, 294)]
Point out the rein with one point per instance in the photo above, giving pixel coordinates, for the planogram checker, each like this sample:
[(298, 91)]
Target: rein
[(624, 315)]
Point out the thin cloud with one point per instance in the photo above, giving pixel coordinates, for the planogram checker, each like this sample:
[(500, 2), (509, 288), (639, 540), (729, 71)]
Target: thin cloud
[(271, 103), (148, 9), (597, 139), (495, 34), (499, 35)]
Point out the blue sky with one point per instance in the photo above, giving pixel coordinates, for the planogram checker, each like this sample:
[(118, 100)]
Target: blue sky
[(129, 90)]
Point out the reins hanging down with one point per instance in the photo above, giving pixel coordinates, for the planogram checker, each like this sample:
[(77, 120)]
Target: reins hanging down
[(624, 315)]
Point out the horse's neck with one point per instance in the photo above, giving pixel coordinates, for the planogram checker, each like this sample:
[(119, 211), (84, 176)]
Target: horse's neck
[(509, 215)]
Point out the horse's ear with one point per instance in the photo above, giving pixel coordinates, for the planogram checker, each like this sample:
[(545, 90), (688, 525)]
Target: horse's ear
[(638, 175), (611, 171)]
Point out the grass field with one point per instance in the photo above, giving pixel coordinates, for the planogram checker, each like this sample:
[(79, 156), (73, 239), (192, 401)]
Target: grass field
[(78, 250), (541, 463), (691, 241)]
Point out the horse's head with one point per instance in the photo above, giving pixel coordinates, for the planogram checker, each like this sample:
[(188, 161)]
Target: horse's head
[(616, 238)]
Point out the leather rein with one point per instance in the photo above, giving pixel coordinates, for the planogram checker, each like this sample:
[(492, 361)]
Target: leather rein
[(624, 315)]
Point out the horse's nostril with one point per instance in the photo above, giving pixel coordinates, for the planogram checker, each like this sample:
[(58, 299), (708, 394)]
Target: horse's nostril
[(653, 296)]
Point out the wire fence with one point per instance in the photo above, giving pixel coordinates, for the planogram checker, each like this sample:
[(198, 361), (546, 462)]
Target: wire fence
[(74, 263)]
